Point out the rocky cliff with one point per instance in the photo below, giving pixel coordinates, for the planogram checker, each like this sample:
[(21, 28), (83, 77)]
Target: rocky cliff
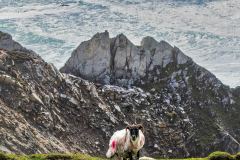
[(118, 61), (185, 109)]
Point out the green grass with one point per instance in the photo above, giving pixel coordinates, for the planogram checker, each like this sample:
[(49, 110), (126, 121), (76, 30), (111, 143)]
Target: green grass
[(77, 156), (51, 156), (237, 156), (186, 159), (221, 156)]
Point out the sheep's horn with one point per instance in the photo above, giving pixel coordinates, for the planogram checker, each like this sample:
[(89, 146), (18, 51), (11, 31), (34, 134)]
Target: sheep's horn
[(140, 126)]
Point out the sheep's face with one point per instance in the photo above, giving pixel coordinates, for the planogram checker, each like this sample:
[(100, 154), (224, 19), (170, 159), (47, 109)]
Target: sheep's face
[(134, 131)]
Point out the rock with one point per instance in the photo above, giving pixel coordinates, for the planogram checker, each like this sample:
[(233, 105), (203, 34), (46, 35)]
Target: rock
[(179, 103), (89, 54), (227, 141), (8, 80), (7, 43), (119, 61), (34, 97), (146, 158), (4, 149)]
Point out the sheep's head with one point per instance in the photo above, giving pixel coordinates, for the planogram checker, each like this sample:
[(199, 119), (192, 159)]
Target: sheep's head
[(134, 131)]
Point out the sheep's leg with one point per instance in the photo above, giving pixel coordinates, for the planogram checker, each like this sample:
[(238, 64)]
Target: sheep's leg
[(138, 154), (117, 157), (126, 156), (130, 155)]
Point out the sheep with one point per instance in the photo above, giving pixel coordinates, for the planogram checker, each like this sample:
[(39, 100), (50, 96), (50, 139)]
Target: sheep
[(126, 142)]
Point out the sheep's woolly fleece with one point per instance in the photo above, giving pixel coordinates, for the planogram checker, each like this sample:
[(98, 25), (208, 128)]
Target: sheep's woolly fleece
[(120, 142)]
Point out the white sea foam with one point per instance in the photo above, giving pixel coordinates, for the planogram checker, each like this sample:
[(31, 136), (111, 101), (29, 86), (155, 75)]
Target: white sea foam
[(207, 31)]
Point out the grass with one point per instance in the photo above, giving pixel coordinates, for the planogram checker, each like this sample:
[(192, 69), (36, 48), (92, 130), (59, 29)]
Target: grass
[(237, 156), (187, 159), (77, 156), (221, 156), (51, 156)]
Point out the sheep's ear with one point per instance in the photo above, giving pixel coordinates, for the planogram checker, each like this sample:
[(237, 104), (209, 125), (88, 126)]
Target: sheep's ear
[(127, 127), (140, 127)]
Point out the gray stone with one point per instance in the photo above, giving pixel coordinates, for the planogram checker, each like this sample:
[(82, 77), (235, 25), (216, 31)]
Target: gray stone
[(119, 61), (43, 110)]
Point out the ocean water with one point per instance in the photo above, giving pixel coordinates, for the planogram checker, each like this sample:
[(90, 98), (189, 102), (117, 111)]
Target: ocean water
[(206, 30)]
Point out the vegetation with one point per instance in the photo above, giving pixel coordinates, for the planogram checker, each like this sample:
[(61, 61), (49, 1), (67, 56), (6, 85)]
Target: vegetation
[(237, 156), (52, 156), (187, 159), (77, 156), (220, 156)]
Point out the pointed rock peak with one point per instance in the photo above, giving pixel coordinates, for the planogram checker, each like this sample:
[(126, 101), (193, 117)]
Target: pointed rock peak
[(118, 61), (100, 38), (181, 57), (5, 35), (101, 35), (123, 38), (121, 41), (165, 45), (176, 49), (148, 42), (91, 58), (7, 43)]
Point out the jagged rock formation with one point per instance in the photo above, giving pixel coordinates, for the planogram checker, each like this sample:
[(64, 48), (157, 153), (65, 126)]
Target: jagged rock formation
[(185, 109), (119, 61), (7, 43)]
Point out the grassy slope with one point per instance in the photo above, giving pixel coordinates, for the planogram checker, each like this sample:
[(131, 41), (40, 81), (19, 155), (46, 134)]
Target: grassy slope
[(52, 156), (77, 156)]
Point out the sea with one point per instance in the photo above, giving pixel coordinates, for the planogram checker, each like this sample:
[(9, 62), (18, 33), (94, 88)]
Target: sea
[(206, 30)]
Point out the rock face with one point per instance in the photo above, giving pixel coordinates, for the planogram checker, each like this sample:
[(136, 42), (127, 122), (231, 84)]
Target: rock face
[(93, 60), (118, 61), (6, 42), (186, 110)]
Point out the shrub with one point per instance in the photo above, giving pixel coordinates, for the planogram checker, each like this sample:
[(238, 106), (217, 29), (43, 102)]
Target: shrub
[(38, 157), (78, 156), (237, 156), (58, 156), (3, 156), (16, 157), (220, 156)]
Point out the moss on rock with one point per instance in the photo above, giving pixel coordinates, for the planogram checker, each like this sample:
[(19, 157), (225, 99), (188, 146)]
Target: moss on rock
[(237, 156), (218, 155)]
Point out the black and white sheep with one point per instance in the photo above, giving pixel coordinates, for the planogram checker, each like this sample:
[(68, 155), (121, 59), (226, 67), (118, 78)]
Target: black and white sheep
[(126, 142)]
